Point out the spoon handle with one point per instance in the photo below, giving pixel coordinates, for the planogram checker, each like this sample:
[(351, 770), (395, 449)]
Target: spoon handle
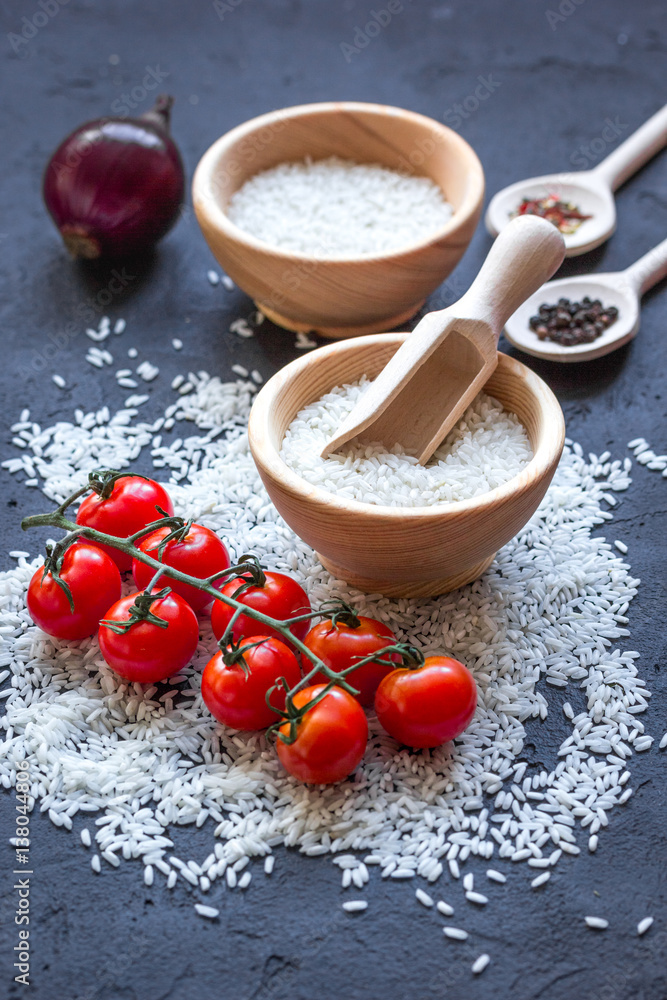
[(528, 251), (637, 150), (649, 269)]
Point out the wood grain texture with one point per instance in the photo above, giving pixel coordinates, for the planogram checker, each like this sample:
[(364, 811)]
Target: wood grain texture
[(415, 551), (339, 298)]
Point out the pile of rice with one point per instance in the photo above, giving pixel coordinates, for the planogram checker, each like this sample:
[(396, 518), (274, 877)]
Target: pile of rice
[(487, 448), (337, 208), (539, 631)]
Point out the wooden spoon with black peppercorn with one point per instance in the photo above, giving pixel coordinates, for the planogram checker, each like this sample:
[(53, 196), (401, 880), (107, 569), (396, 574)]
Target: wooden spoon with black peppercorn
[(584, 317)]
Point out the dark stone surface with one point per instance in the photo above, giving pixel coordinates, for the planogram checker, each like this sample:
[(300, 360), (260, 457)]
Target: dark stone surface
[(107, 937)]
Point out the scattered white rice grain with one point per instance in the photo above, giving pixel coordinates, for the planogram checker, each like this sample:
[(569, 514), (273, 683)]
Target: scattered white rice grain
[(210, 912), (663, 742), (178, 381), (597, 923), (469, 882), (454, 868), (256, 377), (213, 277), (132, 352), (495, 876), (244, 881), (477, 897), (227, 282), (355, 905), (85, 837), (147, 371), (127, 383), (644, 925), (95, 863), (177, 344), (269, 862), (303, 342), (621, 546), (171, 879), (119, 326), (593, 843), (455, 933), (540, 880), (59, 380), (444, 908), (148, 874), (240, 370), (557, 613), (480, 964), (423, 898)]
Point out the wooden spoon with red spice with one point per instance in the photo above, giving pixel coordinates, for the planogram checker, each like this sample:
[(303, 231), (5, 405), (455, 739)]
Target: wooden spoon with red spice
[(588, 192)]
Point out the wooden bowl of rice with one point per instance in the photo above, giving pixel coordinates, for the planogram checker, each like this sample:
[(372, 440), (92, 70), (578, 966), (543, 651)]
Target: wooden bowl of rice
[(339, 296), (414, 551)]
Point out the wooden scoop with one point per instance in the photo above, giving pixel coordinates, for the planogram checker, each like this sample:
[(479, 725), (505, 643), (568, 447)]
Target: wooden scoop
[(426, 386)]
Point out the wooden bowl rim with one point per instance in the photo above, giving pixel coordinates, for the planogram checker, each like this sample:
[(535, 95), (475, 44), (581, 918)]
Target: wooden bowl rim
[(206, 202), (547, 453)]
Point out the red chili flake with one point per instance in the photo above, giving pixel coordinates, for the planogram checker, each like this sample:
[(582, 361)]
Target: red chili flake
[(565, 216)]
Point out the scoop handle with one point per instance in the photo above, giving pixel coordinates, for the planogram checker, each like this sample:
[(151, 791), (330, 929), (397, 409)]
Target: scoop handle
[(649, 269), (528, 251), (637, 150)]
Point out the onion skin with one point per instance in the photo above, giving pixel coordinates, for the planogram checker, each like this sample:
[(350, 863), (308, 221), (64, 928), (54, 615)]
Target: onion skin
[(115, 186)]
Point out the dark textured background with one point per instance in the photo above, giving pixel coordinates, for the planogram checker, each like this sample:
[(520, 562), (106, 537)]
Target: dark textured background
[(107, 937)]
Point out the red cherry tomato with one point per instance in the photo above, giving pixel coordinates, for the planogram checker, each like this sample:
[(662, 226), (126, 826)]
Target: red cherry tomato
[(200, 554), (94, 582), (339, 645), (429, 705), (131, 505), (280, 597), (237, 697), (331, 737), (147, 652)]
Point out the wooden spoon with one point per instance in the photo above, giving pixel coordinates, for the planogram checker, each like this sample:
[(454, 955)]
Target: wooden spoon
[(590, 190), (622, 289), (426, 386)]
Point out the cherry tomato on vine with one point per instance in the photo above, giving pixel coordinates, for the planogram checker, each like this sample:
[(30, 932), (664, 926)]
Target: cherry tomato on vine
[(94, 582), (276, 595), (235, 694), (120, 506), (331, 737), (199, 552), (146, 651), (428, 705), (339, 642)]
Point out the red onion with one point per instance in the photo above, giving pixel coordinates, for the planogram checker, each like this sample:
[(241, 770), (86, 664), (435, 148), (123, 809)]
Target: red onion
[(115, 186)]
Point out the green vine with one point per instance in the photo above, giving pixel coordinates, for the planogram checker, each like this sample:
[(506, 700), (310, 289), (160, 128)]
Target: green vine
[(248, 569)]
